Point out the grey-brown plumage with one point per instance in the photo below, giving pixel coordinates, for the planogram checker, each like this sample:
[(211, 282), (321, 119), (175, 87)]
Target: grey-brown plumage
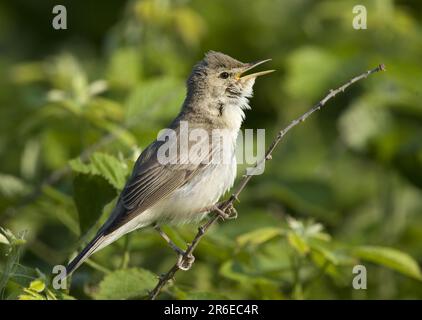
[(179, 191)]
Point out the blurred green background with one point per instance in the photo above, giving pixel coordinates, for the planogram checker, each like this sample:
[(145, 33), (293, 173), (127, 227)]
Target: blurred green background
[(343, 188)]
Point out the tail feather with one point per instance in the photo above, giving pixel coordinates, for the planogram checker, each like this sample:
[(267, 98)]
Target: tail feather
[(90, 248), (106, 235)]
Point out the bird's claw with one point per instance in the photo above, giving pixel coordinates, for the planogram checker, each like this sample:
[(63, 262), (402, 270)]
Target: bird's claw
[(185, 262), (229, 212)]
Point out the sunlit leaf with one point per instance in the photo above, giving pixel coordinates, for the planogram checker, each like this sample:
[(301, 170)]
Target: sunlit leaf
[(11, 186), (104, 165), (3, 239), (390, 258), (298, 243), (259, 236), (37, 286)]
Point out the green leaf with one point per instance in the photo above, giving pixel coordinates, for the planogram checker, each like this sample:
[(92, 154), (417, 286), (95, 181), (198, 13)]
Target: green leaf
[(154, 100), (113, 170), (27, 297), (260, 285), (390, 258), (3, 239), (105, 165), (204, 296), (91, 194), (37, 286), (13, 255), (126, 284), (259, 236), (11, 186), (31, 295), (325, 252), (297, 242)]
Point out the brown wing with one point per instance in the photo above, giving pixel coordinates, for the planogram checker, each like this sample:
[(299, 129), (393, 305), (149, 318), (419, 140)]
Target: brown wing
[(152, 181)]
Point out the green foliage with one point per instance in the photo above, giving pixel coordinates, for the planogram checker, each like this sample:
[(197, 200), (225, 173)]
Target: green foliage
[(103, 176), (154, 100), (89, 207), (104, 165), (390, 258), (126, 284), (38, 290), (78, 108), (14, 246), (258, 236)]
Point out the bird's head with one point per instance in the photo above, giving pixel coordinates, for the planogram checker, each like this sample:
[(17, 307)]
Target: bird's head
[(223, 78)]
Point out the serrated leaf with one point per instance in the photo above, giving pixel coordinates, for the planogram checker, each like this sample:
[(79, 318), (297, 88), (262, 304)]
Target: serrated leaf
[(126, 284), (259, 236), (390, 258), (91, 194), (104, 165), (113, 170)]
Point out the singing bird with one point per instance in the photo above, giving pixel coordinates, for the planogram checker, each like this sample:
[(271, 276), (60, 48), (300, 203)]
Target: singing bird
[(179, 191)]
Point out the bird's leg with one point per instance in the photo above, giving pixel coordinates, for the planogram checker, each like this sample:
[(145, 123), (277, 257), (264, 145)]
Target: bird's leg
[(229, 213), (185, 261), (168, 240)]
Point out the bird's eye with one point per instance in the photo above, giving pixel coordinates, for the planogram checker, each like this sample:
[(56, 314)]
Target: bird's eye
[(224, 75)]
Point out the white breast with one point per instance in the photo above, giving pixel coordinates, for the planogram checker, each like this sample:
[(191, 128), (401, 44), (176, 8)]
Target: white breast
[(205, 189)]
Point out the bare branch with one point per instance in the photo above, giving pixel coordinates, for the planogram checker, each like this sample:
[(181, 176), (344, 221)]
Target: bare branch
[(247, 177)]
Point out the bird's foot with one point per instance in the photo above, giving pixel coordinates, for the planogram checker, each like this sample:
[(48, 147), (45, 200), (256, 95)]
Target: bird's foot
[(232, 212), (228, 213), (185, 262)]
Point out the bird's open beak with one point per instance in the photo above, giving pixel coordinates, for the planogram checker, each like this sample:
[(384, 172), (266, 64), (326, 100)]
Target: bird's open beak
[(253, 75)]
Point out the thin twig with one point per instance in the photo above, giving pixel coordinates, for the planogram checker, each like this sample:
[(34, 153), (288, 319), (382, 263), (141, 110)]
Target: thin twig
[(244, 181)]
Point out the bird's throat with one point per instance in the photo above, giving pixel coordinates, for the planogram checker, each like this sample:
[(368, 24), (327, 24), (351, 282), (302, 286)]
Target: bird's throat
[(232, 114)]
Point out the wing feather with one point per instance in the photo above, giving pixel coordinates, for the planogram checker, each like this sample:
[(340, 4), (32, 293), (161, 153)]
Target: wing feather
[(152, 181)]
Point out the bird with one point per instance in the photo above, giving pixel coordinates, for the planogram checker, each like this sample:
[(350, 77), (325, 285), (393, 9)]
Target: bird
[(168, 187)]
